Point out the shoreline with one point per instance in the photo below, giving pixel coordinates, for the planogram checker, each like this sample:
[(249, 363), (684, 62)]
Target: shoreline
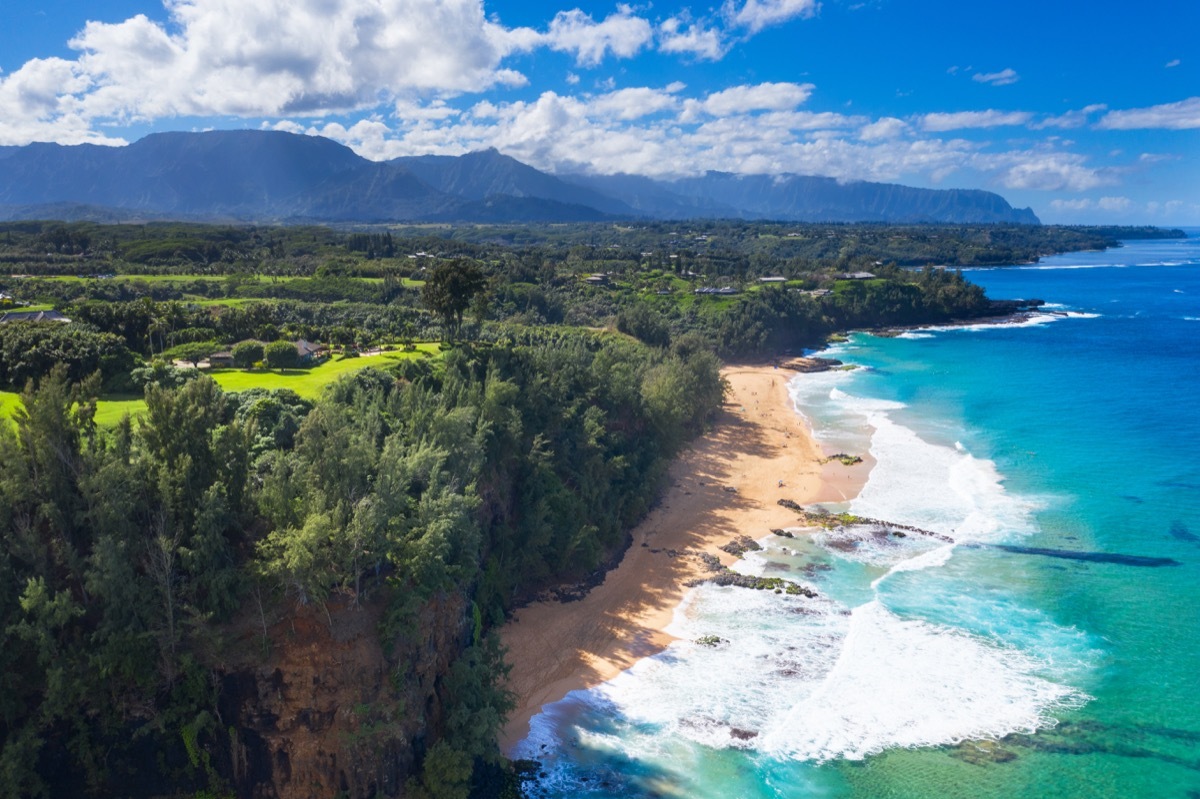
[(727, 484)]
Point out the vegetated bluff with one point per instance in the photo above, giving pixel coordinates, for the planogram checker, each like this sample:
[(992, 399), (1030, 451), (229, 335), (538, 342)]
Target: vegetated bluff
[(277, 176)]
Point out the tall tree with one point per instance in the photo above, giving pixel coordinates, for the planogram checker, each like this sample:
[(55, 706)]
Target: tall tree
[(449, 290)]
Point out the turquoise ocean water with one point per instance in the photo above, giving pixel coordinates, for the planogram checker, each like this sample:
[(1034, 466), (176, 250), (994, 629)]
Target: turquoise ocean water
[(1053, 650)]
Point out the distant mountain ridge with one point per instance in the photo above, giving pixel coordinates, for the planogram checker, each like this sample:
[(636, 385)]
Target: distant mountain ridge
[(274, 176)]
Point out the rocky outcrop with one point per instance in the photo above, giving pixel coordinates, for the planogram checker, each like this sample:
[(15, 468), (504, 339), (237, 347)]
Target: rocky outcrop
[(316, 708), (809, 365)]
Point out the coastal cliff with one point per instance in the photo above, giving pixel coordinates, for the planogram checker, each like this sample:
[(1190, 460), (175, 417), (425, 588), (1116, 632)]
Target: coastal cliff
[(319, 709)]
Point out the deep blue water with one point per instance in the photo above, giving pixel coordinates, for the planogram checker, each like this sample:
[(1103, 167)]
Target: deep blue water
[(1001, 665)]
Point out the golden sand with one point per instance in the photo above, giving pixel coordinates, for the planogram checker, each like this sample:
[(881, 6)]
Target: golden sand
[(725, 486)]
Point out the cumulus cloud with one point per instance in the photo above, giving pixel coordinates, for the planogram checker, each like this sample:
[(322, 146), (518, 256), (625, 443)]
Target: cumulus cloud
[(1183, 115), (1002, 78), (321, 58), (38, 103), (286, 57), (681, 35), (961, 120), (758, 97), (622, 33), (1057, 171), (754, 15), (883, 128), (634, 103), (268, 58)]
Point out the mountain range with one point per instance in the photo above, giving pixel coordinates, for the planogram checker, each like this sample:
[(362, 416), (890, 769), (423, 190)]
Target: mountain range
[(272, 176)]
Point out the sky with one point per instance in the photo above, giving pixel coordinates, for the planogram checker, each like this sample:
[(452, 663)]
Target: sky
[(1086, 112)]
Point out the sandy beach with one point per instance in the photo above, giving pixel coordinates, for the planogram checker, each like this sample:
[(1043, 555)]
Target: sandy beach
[(726, 485)]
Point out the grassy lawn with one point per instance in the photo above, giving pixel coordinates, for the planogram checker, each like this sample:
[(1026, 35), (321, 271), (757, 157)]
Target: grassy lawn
[(45, 306), (9, 402), (110, 411), (307, 383)]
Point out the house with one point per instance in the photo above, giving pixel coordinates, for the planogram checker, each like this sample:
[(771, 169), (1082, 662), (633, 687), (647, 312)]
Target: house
[(221, 359), (598, 279), (33, 316), (856, 276), (773, 279), (310, 353)]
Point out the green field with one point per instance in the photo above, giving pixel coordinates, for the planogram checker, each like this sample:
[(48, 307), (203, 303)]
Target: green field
[(45, 306), (109, 411), (9, 402), (307, 383)]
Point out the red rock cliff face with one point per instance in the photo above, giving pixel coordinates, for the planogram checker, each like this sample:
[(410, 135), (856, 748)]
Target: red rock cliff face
[(318, 709)]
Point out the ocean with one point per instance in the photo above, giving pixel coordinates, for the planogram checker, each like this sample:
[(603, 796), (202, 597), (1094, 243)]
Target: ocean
[(1051, 650)]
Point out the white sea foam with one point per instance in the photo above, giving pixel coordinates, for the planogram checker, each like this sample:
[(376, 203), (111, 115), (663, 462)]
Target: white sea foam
[(1032, 320), (908, 683), (937, 488)]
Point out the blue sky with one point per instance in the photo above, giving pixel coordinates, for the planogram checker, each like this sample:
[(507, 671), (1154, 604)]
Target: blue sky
[(1086, 112)]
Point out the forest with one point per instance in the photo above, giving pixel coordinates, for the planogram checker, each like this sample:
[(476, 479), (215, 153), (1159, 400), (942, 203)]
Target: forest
[(154, 570)]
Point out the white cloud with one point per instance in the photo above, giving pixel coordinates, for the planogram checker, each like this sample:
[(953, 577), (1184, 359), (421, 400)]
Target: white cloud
[(623, 34), (1183, 115), (961, 120), (1071, 119), (754, 15), (266, 58), (411, 110), (1114, 204), (322, 58), (37, 103), (1054, 171), (883, 128), (758, 97), (1002, 78), (680, 35), (1082, 204), (1174, 62), (1111, 205), (633, 103)]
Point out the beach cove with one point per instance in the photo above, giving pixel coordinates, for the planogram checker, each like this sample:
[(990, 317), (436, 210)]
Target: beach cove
[(1048, 651), (727, 485)]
